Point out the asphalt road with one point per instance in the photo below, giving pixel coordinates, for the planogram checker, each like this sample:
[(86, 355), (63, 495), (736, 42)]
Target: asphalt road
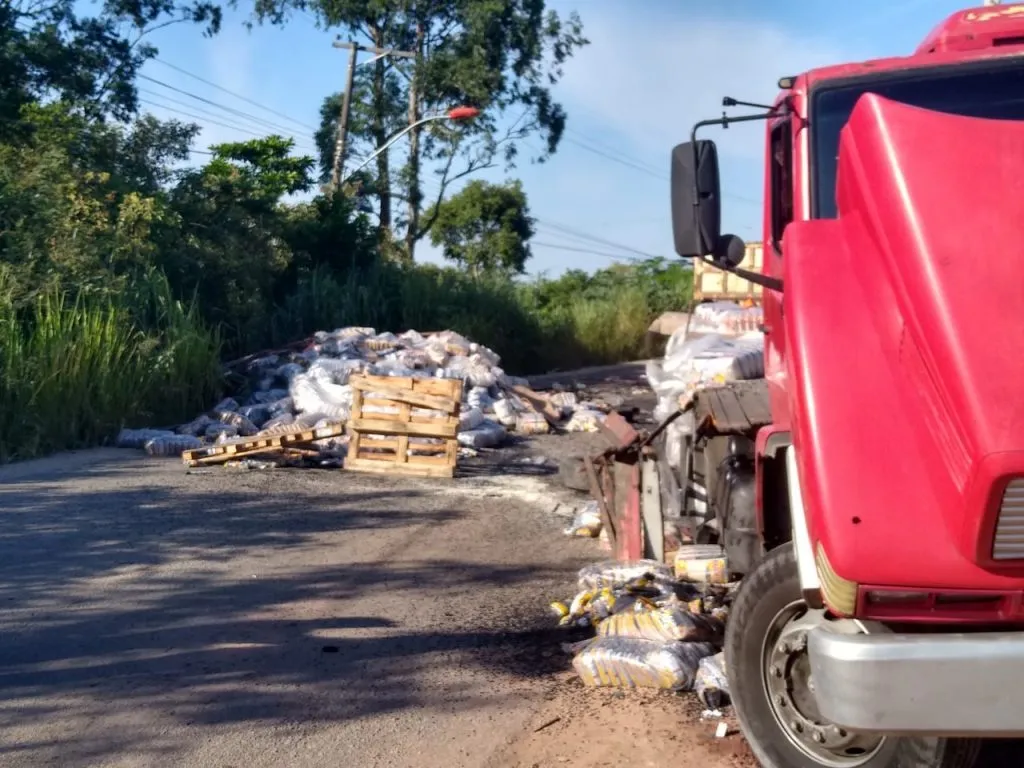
[(308, 619), (234, 619)]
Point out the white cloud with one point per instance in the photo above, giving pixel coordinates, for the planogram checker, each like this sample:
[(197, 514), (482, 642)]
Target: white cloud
[(649, 78)]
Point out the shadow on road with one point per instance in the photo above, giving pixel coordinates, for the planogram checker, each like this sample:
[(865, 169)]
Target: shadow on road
[(213, 601), (257, 601)]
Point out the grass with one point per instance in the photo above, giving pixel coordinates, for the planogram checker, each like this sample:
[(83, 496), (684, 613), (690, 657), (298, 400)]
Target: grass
[(73, 371), (497, 313)]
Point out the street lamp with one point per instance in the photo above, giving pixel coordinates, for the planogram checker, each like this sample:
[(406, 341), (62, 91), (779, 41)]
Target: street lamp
[(456, 114)]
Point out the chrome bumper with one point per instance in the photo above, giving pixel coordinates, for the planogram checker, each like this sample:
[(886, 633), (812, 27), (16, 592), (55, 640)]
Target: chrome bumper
[(939, 685)]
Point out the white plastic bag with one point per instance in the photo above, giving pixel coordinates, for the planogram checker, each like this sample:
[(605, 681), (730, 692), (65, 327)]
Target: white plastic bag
[(470, 419), (488, 435)]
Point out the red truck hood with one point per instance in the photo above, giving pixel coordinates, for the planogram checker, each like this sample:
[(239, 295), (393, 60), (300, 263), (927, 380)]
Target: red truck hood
[(905, 328)]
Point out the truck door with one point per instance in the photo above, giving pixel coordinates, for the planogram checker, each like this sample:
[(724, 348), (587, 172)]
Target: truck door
[(780, 199)]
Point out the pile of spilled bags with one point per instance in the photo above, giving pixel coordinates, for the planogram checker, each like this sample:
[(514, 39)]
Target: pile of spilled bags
[(308, 388), (722, 343), (651, 628)]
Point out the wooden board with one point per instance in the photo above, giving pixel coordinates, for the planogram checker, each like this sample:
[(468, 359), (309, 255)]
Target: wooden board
[(396, 442), (250, 446), (740, 406), (539, 403)]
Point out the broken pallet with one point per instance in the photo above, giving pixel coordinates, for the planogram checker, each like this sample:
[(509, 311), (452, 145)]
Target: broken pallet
[(404, 426), (258, 444)]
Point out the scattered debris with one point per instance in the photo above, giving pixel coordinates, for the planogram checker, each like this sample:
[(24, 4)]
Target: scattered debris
[(613, 574), (547, 724), (712, 684), (308, 385), (651, 629), (586, 522), (701, 563)]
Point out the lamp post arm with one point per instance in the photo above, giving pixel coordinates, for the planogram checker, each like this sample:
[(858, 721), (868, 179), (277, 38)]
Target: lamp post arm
[(392, 140)]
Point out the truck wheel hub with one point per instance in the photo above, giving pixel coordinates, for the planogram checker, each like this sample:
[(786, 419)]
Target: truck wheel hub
[(789, 686)]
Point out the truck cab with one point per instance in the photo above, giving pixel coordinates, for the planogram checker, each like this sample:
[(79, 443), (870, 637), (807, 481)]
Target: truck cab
[(880, 619)]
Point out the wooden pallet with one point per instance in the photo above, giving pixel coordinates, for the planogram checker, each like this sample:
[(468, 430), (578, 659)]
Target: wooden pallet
[(739, 406), (250, 446), (418, 435)]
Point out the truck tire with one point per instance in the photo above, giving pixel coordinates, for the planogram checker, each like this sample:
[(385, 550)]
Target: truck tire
[(775, 706)]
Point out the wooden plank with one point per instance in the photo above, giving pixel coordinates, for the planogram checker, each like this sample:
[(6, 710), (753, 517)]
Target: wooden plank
[(409, 397), (354, 438), (753, 398), (220, 452), (396, 427), (441, 387), (727, 414), (391, 468), (539, 402), (402, 452)]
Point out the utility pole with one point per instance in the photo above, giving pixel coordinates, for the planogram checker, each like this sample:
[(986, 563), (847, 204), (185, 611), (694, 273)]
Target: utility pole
[(346, 101)]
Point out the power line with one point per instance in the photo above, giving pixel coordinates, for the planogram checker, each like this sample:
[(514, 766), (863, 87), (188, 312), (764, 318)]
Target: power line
[(211, 113), (232, 110), (194, 116), (620, 160), (558, 247), (619, 157), (236, 95), (613, 150), (579, 234)]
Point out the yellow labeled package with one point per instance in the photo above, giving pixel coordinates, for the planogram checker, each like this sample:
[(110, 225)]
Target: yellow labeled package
[(628, 662), (663, 624), (613, 574)]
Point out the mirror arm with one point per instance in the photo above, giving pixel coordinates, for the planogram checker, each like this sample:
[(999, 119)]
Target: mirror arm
[(725, 121), (771, 283)]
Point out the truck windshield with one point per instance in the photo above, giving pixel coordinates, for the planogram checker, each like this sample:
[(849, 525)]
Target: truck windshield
[(989, 92)]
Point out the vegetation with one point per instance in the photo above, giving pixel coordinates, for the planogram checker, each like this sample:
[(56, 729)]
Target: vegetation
[(485, 228), (124, 280)]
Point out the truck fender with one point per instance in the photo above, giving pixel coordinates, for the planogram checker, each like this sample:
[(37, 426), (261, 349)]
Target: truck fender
[(810, 585)]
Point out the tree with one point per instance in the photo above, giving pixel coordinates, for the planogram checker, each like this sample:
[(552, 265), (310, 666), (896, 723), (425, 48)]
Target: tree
[(230, 242), (501, 56), (79, 199), (49, 50), (485, 228)]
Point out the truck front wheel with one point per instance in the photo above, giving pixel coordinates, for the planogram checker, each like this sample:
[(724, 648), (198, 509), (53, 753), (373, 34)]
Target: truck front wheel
[(773, 691)]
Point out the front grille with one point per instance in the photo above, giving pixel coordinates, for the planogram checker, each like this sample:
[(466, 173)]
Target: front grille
[(1008, 543)]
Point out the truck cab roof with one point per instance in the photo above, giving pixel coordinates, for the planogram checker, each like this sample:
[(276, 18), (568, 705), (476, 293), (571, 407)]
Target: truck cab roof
[(975, 33)]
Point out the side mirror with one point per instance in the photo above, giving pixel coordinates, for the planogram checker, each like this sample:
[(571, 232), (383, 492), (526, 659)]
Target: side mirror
[(696, 200)]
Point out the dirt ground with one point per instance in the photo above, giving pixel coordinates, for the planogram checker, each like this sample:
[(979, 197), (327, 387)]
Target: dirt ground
[(586, 728)]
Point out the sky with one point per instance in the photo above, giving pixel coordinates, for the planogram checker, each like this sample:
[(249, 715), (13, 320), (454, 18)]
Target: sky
[(653, 67)]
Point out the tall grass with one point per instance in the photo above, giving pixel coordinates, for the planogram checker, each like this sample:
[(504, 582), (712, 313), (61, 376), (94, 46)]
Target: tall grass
[(73, 371), (495, 312), (611, 330)]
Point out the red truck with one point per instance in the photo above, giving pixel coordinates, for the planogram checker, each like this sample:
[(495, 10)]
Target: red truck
[(870, 489)]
